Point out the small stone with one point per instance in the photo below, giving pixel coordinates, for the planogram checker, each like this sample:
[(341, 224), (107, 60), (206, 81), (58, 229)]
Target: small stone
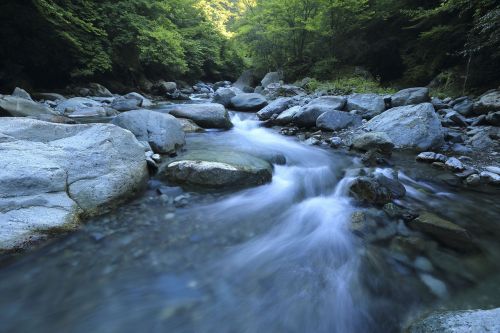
[(473, 180), (169, 216), (493, 169), (156, 157), (312, 142), (335, 142), (454, 164), (431, 157)]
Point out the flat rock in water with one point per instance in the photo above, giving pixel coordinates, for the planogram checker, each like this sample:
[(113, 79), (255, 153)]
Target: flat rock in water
[(162, 131), (51, 174), (473, 321), (217, 169), (208, 115), (414, 127), (444, 231)]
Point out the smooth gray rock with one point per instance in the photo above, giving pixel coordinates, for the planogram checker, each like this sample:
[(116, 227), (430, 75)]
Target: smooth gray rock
[(223, 95), (410, 127), (248, 102), (246, 80), (329, 102), (99, 90), (144, 102), (287, 116), (410, 96), (378, 190), (21, 93), (493, 118), (162, 87), (337, 120), (75, 104), (271, 77), (309, 114), (217, 169), (464, 107), (476, 321), (276, 90), (208, 115), (454, 164), (378, 141), (431, 157), (369, 105), (189, 126), (488, 102), (53, 174), (162, 131), (21, 107), (276, 107), (123, 104)]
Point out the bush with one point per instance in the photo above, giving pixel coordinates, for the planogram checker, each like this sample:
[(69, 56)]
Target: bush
[(348, 85)]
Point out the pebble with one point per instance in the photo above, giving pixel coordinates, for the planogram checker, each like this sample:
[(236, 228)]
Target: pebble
[(454, 164)]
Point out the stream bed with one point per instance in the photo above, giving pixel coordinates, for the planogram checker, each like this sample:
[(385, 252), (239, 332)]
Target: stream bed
[(280, 257)]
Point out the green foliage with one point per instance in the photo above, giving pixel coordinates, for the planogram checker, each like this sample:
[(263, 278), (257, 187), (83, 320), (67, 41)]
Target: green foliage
[(171, 39), (348, 85)]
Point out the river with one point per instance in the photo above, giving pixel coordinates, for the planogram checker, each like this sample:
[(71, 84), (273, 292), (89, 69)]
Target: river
[(276, 258)]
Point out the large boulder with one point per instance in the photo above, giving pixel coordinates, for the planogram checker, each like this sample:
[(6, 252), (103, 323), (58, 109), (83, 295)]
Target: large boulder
[(246, 80), (217, 169), (410, 96), (477, 321), (53, 174), (287, 116), (276, 90), (310, 113), (276, 107), (369, 105), (410, 127), (248, 102), (99, 90), (22, 107), (337, 120), (378, 189), (162, 131), (144, 102), (271, 77), (71, 105), (490, 101), (21, 93), (208, 115), (162, 87), (223, 95)]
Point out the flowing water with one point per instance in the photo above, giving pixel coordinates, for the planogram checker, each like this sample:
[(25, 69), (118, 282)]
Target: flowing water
[(276, 258)]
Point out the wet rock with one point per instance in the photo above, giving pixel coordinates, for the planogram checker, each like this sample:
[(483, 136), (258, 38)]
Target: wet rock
[(337, 120), (481, 140), (276, 90), (22, 107), (493, 169), (335, 142), (490, 178), (378, 141), (217, 170), (162, 131), (488, 102), (246, 81), (312, 142), (438, 103), (444, 231), (51, 174), (248, 102), (430, 157), (189, 126), (370, 105), (410, 96), (454, 164), (376, 190), (209, 115), (277, 107), (410, 127), (477, 321), (473, 180)]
